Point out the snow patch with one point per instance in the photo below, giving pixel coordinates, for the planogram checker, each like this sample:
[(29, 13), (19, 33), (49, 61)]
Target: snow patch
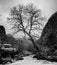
[(28, 60)]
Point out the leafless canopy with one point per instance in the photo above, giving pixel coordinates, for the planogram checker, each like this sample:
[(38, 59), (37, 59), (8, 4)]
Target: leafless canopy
[(27, 19)]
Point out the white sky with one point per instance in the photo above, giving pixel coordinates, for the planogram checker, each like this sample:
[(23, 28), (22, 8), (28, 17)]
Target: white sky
[(48, 7)]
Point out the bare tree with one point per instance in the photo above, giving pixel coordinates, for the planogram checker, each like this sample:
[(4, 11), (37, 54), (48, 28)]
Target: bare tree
[(27, 19)]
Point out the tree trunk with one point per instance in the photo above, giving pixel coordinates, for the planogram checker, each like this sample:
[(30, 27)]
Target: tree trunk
[(34, 44)]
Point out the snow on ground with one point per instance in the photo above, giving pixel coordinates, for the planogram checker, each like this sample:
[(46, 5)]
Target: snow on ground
[(28, 60)]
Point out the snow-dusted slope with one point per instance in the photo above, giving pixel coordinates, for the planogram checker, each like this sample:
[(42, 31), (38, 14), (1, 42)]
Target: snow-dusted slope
[(30, 61)]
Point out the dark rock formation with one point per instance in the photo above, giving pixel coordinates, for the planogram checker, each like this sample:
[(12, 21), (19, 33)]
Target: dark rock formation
[(49, 33), (2, 29), (48, 40), (2, 34)]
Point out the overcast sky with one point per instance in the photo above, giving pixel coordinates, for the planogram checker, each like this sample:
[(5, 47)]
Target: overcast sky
[(47, 6)]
